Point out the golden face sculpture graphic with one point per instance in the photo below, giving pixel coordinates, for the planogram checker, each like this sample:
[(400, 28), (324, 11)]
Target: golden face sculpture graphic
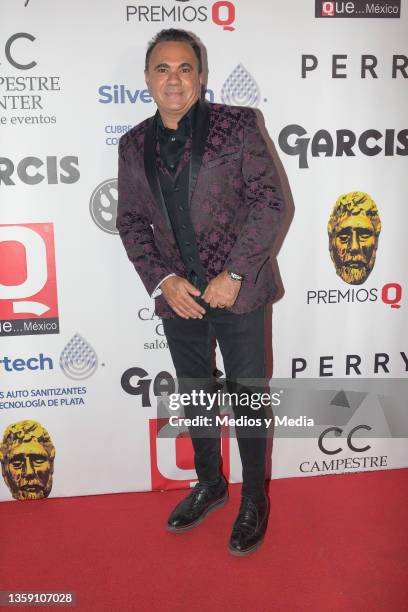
[(27, 460), (354, 227)]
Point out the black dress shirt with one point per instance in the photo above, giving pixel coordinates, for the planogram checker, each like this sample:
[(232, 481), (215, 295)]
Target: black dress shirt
[(172, 142)]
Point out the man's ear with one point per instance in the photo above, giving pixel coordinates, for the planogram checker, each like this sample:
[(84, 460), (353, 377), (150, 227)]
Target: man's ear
[(147, 80)]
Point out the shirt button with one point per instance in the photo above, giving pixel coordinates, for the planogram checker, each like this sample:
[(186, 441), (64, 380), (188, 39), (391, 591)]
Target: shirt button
[(188, 244), (190, 259), (183, 227), (173, 139), (181, 207)]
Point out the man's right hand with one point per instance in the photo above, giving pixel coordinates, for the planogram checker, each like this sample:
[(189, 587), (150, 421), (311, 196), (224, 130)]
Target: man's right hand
[(177, 292)]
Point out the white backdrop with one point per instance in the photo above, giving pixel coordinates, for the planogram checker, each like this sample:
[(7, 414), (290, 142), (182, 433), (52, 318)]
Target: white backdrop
[(71, 82)]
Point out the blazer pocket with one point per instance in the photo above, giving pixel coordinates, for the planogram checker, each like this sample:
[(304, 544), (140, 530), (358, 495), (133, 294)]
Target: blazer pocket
[(222, 159)]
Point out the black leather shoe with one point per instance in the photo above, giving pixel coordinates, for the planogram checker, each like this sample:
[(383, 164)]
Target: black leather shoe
[(250, 526), (192, 510)]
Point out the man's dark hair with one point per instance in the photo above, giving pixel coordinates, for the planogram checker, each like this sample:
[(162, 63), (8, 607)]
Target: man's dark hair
[(174, 35)]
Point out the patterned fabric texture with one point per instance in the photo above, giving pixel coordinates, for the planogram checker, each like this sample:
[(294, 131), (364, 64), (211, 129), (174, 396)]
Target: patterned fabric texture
[(236, 209)]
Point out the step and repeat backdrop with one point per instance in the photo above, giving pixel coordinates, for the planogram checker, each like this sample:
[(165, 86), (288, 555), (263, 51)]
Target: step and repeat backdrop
[(82, 355)]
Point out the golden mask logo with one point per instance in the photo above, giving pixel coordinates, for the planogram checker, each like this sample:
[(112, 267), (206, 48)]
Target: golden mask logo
[(27, 460), (354, 227)]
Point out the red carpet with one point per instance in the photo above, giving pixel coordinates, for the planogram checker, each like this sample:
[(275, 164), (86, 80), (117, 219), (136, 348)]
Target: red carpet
[(336, 543)]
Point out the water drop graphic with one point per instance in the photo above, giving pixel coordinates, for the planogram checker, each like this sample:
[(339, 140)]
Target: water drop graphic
[(78, 360), (240, 89)]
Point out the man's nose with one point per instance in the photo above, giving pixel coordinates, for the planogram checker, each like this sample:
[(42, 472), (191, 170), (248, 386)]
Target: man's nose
[(173, 78), (28, 468), (354, 244)]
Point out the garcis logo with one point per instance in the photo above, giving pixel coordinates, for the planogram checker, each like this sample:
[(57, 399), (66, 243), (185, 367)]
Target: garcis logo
[(358, 9), (240, 88), (103, 205), (28, 283), (134, 382), (294, 140), (33, 170), (222, 13)]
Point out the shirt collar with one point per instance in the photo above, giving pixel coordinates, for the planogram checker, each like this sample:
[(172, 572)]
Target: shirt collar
[(185, 122)]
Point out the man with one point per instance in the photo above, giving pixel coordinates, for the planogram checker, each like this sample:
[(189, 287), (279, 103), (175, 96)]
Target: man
[(199, 207), (354, 228), (27, 459)]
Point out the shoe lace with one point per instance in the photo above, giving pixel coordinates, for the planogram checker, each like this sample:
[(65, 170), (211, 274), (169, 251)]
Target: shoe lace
[(247, 519), (195, 499)]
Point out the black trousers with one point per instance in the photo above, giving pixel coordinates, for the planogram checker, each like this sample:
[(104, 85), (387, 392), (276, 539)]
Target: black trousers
[(241, 338)]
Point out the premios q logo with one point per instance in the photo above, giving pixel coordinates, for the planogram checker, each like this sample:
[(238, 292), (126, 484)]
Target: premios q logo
[(240, 89), (103, 205), (354, 228)]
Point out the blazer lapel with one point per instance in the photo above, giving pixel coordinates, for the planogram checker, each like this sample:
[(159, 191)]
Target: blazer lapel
[(200, 126), (151, 168), (201, 122)]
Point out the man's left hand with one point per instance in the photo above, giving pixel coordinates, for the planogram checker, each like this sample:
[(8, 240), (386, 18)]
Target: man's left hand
[(222, 291)]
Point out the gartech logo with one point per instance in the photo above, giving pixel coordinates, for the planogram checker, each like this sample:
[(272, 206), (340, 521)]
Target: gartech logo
[(358, 9), (240, 88), (28, 283)]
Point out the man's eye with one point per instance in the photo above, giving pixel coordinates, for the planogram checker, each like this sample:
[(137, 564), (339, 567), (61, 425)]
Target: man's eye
[(39, 461), (161, 70), (185, 70), (16, 464)]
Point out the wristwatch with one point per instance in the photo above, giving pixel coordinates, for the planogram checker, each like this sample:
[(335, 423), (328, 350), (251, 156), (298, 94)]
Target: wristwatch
[(234, 276)]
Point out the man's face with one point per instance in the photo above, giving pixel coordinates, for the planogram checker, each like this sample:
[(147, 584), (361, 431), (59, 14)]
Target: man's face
[(28, 471), (353, 247), (173, 78)]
